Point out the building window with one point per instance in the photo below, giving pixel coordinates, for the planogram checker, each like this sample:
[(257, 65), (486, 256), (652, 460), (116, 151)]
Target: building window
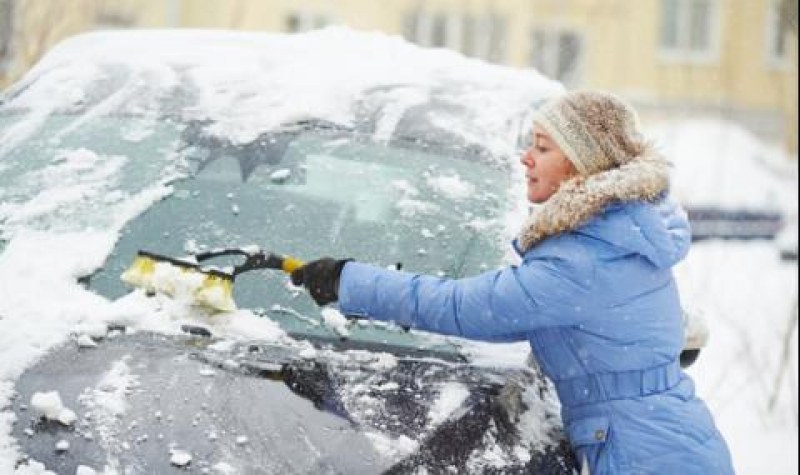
[(6, 28), (440, 30), (496, 26), (558, 54), (412, 26), (468, 33), (298, 22), (482, 37), (689, 28), (115, 18), (437, 30), (776, 30)]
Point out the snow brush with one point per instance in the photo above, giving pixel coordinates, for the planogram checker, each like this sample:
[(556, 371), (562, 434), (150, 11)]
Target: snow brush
[(204, 285)]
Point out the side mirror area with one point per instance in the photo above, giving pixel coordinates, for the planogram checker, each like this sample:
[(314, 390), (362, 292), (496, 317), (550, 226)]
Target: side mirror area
[(688, 357), (695, 336)]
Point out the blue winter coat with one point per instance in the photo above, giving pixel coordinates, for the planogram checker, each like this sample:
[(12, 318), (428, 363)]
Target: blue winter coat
[(600, 308)]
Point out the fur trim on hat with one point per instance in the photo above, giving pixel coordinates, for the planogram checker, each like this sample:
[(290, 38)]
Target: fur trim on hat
[(582, 197)]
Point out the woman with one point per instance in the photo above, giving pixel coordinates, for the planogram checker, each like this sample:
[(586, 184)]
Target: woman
[(594, 294)]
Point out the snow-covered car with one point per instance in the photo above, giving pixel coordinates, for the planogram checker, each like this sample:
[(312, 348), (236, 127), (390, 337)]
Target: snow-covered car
[(332, 142), (786, 241), (724, 207)]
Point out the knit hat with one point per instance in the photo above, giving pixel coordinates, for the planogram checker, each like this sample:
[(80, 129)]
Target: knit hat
[(596, 130)]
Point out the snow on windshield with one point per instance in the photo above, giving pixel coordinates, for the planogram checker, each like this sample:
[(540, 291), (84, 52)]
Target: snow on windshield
[(451, 186)]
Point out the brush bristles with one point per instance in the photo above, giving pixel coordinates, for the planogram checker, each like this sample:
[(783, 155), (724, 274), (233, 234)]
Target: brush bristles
[(181, 282)]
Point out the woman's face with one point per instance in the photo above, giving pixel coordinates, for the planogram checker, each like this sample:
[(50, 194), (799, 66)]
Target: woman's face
[(546, 167)]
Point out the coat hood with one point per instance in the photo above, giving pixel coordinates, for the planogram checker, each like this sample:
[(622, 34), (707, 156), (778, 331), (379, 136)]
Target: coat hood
[(624, 206)]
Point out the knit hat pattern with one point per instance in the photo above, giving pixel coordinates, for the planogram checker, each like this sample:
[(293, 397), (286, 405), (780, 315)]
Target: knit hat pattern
[(596, 130)]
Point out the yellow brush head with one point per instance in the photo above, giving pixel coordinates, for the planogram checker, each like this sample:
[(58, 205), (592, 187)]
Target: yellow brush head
[(182, 280)]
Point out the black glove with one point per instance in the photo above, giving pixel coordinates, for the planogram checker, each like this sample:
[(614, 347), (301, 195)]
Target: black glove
[(321, 278)]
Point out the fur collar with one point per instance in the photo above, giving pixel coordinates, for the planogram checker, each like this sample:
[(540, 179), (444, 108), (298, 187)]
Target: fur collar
[(580, 198)]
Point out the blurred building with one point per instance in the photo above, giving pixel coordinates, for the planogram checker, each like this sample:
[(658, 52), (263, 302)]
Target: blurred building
[(733, 59)]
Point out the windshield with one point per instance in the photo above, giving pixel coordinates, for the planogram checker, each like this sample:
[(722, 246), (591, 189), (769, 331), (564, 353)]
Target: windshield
[(314, 192), (305, 190)]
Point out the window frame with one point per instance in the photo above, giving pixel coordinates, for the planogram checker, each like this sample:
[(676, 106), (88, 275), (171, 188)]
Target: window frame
[(552, 40), (773, 31), (683, 51), (487, 42), (7, 8), (306, 20)]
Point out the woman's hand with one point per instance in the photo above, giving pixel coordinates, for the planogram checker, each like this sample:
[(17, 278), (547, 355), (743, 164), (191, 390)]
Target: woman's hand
[(321, 278)]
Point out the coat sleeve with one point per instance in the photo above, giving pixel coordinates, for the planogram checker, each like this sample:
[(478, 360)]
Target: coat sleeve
[(502, 305)]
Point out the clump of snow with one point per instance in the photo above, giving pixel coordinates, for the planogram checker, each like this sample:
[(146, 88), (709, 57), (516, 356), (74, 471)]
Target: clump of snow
[(451, 397), (397, 103), (374, 360), (480, 224), (86, 341), (307, 351), (180, 458), (107, 401), (452, 186), (32, 467), (404, 187), (223, 468), (280, 176), (79, 160), (222, 346), (49, 405), (62, 446), (94, 329), (192, 247), (84, 470), (244, 324), (496, 456), (184, 285), (392, 448), (334, 320), (251, 249), (409, 207)]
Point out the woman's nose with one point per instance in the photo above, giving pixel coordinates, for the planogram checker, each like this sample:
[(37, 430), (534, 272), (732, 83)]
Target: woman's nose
[(527, 158)]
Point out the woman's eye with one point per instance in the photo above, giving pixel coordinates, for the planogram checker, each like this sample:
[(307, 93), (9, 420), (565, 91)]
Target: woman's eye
[(541, 149)]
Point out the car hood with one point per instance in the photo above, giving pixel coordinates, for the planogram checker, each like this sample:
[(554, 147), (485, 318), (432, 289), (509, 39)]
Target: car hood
[(148, 403)]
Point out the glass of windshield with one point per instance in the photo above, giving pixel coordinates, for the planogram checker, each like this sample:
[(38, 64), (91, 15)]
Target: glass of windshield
[(312, 191)]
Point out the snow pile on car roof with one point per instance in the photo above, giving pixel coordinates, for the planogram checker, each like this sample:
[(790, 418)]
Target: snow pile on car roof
[(250, 82)]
